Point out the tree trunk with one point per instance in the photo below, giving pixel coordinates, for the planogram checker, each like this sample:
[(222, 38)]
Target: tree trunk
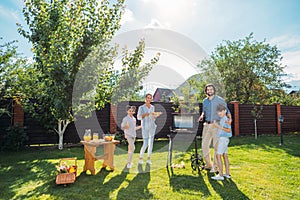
[(60, 140), (61, 127)]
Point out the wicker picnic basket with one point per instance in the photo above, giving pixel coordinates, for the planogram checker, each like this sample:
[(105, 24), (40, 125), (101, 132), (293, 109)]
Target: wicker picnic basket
[(69, 177)]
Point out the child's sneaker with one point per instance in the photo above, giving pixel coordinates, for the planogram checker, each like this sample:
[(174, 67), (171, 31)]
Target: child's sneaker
[(227, 175), (141, 162), (149, 162), (218, 178), (129, 165)]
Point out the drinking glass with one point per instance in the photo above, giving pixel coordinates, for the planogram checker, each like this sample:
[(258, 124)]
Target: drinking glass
[(95, 136)]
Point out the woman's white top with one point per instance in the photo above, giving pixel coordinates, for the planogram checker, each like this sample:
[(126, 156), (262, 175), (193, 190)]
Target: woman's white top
[(148, 122)]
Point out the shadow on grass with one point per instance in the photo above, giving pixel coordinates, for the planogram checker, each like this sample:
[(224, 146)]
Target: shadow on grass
[(25, 175), (269, 143), (188, 184), (138, 186), (227, 189), (103, 189)]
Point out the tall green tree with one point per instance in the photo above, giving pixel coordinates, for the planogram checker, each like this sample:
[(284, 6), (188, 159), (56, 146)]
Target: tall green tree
[(63, 33), (282, 97), (11, 64), (74, 60), (98, 82), (134, 71), (210, 74), (249, 69)]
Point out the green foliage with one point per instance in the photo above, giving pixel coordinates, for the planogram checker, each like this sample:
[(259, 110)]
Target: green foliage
[(192, 91), (11, 65), (63, 34), (128, 81), (256, 112), (280, 96), (211, 74), (98, 83), (187, 99), (73, 58), (254, 65), (14, 139), (94, 81), (247, 71)]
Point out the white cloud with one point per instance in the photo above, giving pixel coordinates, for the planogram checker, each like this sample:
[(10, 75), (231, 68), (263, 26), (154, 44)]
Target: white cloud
[(289, 45), (291, 60), (284, 42), (18, 3), (4, 13), (127, 17), (156, 24), (170, 13), (10, 14)]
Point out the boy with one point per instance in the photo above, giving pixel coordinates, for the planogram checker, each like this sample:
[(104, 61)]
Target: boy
[(129, 127), (224, 133)]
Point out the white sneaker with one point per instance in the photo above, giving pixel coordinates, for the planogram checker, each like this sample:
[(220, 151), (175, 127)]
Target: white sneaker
[(129, 165), (141, 162), (218, 178), (226, 175), (149, 162)]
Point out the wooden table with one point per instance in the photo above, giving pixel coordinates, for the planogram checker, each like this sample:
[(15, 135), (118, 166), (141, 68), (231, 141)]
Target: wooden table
[(90, 156)]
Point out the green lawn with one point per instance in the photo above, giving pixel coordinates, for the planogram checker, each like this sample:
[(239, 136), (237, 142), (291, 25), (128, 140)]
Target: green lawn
[(260, 169)]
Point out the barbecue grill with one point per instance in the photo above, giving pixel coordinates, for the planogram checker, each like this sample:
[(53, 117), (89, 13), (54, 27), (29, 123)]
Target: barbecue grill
[(184, 128)]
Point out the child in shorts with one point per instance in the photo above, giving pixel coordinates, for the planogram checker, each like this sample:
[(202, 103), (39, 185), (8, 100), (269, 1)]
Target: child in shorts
[(224, 133), (129, 127)]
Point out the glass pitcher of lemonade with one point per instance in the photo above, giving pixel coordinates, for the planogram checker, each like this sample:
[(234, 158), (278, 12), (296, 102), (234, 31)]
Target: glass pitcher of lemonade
[(87, 135)]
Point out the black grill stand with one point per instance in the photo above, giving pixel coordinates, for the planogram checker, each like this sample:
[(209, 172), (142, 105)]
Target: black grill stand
[(169, 158), (197, 162)]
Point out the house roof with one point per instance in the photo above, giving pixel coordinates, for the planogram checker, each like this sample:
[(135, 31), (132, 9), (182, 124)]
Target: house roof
[(161, 91)]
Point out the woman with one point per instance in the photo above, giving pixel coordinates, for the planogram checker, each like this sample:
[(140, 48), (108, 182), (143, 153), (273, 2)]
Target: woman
[(147, 115)]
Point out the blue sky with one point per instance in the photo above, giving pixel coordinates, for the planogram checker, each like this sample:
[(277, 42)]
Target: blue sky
[(207, 22)]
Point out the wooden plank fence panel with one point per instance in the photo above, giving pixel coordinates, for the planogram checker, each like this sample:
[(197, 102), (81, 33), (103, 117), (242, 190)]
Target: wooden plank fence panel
[(74, 133), (291, 116), (268, 123), (36, 133), (246, 120), (265, 125)]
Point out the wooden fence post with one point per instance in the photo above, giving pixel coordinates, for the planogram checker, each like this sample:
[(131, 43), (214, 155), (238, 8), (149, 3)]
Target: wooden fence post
[(278, 113), (236, 117), (18, 114), (112, 119)]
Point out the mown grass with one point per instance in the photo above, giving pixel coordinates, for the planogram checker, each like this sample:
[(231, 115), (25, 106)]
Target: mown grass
[(260, 169)]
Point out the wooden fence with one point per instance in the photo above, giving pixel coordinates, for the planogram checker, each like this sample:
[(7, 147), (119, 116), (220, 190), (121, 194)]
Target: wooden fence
[(109, 120)]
